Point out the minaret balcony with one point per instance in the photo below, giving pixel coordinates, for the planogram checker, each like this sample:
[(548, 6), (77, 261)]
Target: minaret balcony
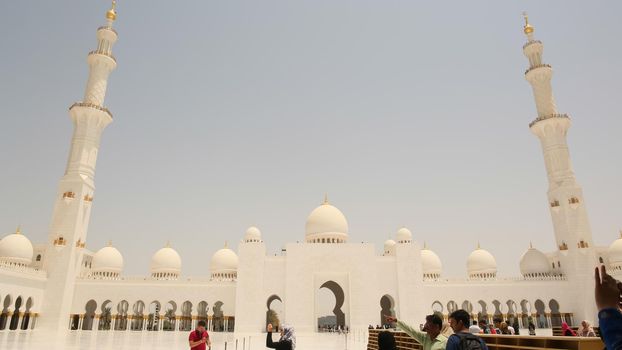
[(539, 119), (91, 105), (108, 28), (543, 65), (103, 53), (530, 42)]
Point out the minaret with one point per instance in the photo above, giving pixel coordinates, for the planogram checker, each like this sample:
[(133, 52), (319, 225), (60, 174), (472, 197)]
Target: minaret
[(565, 196), (573, 236), (72, 207)]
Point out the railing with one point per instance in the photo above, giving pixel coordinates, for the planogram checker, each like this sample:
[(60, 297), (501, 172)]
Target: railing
[(103, 53), (495, 280), (197, 279), (91, 105), (8, 266), (502, 342), (539, 119), (537, 66), (531, 42), (108, 28)]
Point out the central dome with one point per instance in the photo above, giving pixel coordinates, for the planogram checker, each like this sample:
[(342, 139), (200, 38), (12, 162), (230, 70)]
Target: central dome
[(326, 224)]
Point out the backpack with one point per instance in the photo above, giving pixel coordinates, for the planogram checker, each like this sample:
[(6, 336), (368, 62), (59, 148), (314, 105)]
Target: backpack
[(469, 341)]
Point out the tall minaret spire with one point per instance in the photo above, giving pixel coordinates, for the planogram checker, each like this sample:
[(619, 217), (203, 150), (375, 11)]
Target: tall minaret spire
[(566, 202), (565, 196), (70, 220)]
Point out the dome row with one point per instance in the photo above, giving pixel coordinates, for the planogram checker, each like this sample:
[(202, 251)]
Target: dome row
[(325, 224)]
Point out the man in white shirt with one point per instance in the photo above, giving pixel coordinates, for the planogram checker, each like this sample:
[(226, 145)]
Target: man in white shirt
[(474, 329)]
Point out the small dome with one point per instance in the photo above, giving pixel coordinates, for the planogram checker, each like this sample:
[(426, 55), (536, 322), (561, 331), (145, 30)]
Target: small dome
[(224, 264), (404, 235), (326, 224), (166, 263), (107, 260), (389, 247), (16, 249), (534, 263), (614, 253), (481, 264), (430, 264), (252, 235)]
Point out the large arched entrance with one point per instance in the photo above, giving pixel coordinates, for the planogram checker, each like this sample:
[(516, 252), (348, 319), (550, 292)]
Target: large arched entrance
[(387, 307), (324, 308), (274, 314)]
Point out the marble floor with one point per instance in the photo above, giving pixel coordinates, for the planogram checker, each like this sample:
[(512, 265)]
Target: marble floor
[(79, 340)]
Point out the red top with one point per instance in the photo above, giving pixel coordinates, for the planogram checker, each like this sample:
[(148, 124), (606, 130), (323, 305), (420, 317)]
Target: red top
[(195, 337)]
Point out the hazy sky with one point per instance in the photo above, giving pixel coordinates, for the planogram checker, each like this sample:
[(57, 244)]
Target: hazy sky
[(236, 113)]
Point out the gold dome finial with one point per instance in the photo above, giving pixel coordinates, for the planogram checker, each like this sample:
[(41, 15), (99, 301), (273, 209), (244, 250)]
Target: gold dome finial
[(527, 29), (620, 233), (425, 245), (168, 244), (226, 244), (478, 246), (325, 198), (110, 243), (112, 13), (530, 245), (18, 230)]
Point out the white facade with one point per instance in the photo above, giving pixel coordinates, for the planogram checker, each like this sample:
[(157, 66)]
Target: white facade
[(66, 286)]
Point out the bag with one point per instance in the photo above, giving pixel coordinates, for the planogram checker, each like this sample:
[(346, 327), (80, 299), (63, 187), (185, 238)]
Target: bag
[(469, 341)]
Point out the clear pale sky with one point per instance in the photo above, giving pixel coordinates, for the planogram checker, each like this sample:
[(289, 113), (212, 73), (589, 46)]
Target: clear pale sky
[(236, 113)]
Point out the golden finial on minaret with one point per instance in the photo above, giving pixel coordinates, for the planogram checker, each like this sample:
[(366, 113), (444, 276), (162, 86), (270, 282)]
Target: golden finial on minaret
[(325, 198), (112, 13), (527, 29)]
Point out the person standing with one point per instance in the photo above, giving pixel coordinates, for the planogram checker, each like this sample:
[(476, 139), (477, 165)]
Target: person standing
[(608, 297), (532, 328), (474, 329), (567, 331), (199, 338), (430, 338), (459, 321), (586, 330), (287, 340), (386, 341)]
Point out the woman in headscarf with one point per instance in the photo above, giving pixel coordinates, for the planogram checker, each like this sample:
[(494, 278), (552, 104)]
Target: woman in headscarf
[(287, 340), (567, 331), (586, 330)]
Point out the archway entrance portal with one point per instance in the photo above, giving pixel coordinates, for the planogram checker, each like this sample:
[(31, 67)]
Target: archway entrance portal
[(324, 301), (274, 314), (387, 307)]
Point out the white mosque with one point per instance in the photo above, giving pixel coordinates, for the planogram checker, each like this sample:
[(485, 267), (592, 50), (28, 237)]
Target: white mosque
[(60, 284)]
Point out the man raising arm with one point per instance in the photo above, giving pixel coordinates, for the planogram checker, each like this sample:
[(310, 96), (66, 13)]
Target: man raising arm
[(431, 337)]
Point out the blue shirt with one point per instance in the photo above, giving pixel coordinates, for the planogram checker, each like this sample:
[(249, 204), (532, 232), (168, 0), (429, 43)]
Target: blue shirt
[(610, 322), (453, 343)]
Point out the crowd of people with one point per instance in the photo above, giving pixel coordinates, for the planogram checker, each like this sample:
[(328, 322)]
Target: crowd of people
[(463, 333)]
